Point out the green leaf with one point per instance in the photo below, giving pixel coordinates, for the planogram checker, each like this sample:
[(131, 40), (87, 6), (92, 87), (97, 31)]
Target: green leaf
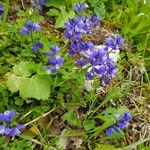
[(35, 87), (72, 119), (71, 3), (53, 12), (63, 17), (100, 10), (105, 147), (40, 69), (93, 2), (60, 4), (113, 94), (122, 109), (19, 101), (23, 68), (116, 135), (89, 124), (13, 82)]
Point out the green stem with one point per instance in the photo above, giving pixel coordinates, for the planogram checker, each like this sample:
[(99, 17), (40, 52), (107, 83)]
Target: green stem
[(6, 9), (36, 119), (134, 145)]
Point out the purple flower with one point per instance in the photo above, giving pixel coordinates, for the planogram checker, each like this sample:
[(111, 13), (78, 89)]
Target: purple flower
[(80, 6), (36, 47), (99, 60), (72, 48), (39, 44), (54, 62), (25, 31), (89, 76), (110, 42), (99, 69), (11, 132), (120, 123), (30, 26), (105, 79), (7, 116), (101, 64), (42, 2), (119, 41), (48, 53), (4, 130), (115, 43), (81, 62), (111, 129), (55, 49), (16, 130), (95, 20), (80, 47), (1, 9), (126, 116), (76, 27)]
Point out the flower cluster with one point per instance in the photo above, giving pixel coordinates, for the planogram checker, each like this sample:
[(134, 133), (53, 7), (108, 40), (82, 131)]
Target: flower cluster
[(7, 116), (54, 62), (97, 61), (101, 65), (120, 123), (76, 27), (30, 26), (80, 6), (115, 43), (1, 10)]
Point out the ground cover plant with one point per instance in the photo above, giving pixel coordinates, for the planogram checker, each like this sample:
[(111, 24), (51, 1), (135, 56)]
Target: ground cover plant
[(74, 74)]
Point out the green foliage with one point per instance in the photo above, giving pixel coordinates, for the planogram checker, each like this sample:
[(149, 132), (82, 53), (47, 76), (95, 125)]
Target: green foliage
[(61, 11), (60, 4), (106, 117), (99, 7), (14, 82), (113, 94), (63, 17), (106, 147), (16, 144), (22, 145), (23, 69), (37, 86), (26, 87), (89, 124), (72, 119)]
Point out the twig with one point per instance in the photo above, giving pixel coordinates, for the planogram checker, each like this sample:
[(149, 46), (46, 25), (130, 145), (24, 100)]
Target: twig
[(39, 117), (26, 114), (23, 6)]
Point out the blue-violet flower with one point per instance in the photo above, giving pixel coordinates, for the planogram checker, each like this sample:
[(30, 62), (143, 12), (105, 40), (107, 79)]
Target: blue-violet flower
[(29, 27), (1, 9), (80, 6), (7, 116), (36, 47), (120, 123)]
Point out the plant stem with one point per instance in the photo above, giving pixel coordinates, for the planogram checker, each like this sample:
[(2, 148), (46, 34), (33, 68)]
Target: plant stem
[(6, 9), (39, 117)]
